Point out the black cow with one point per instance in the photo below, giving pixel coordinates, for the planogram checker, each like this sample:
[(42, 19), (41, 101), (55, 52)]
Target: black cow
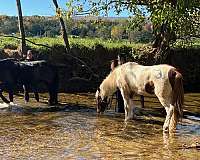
[(29, 74)]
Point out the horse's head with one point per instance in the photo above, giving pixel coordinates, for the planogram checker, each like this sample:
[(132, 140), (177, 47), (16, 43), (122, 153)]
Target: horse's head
[(102, 101)]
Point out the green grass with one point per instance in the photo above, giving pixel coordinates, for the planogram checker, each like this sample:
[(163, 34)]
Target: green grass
[(8, 41), (87, 42), (194, 43)]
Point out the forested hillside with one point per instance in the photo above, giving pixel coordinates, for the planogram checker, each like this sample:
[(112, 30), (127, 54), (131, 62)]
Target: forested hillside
[(107, 28)]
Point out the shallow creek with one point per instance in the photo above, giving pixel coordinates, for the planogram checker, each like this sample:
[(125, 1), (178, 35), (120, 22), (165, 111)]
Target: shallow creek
[(72, 130)]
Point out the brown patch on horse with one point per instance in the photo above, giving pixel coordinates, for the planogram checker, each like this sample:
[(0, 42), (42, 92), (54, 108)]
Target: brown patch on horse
[(149, 87), (176, 81), (172, 75)]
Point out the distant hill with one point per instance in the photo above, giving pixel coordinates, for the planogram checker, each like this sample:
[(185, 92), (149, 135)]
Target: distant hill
[(82, 26)]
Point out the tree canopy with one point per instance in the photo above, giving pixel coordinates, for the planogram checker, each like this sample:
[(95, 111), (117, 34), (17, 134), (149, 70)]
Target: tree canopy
[(180, 18)]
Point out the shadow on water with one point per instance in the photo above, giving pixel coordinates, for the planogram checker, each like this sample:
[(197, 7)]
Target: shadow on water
[(72, 130)]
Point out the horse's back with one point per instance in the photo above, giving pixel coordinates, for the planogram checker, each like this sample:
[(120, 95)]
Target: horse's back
[(144, 79)]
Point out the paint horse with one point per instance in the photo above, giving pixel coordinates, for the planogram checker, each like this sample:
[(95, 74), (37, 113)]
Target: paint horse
[(29, 74), (131, 78), (113, 65)]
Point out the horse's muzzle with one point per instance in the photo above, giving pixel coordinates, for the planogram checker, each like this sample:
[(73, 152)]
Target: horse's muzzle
[(101, 106)]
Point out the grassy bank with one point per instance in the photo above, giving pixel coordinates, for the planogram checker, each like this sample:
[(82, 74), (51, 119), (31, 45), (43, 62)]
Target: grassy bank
[(97, 54), (87, 42)]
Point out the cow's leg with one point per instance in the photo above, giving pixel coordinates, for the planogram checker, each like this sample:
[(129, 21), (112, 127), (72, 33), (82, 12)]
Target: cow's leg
[(26, 92), (10, 88), (37, 96), (35, 91), (1, 95)]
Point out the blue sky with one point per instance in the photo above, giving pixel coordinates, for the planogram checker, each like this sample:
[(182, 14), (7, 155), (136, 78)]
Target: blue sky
[(35, 7), (30, 7)]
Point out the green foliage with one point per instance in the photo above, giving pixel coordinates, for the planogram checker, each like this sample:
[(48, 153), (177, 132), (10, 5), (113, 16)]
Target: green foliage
[(117, 32), (142, 37), (181, 17), (136, 23)]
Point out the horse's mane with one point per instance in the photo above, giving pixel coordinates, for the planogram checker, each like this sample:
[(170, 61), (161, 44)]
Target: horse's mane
[(109, 83)]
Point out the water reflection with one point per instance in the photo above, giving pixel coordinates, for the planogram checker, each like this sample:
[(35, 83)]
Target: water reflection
[(75, 132)]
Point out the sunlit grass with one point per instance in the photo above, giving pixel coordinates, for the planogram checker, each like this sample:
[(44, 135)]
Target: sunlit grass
[(87, 42)]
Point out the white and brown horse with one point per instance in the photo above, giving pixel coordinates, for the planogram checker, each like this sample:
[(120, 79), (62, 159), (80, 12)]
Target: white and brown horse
[(131, 78)]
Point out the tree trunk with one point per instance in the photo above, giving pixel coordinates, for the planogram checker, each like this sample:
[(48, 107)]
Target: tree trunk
[(21, 28), (162, 43), (63, 29)]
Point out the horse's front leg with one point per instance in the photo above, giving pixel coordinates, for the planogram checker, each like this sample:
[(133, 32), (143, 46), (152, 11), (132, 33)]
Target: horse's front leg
[(128, 106), (126, 110), (131, 109)]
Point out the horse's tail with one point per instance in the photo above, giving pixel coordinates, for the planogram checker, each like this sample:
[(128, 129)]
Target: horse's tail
[(176, 81)]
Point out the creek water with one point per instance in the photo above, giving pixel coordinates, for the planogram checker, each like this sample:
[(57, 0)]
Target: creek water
[(73, 130)]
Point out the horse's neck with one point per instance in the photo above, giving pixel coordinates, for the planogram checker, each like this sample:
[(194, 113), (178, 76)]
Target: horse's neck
[(109, 84)]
